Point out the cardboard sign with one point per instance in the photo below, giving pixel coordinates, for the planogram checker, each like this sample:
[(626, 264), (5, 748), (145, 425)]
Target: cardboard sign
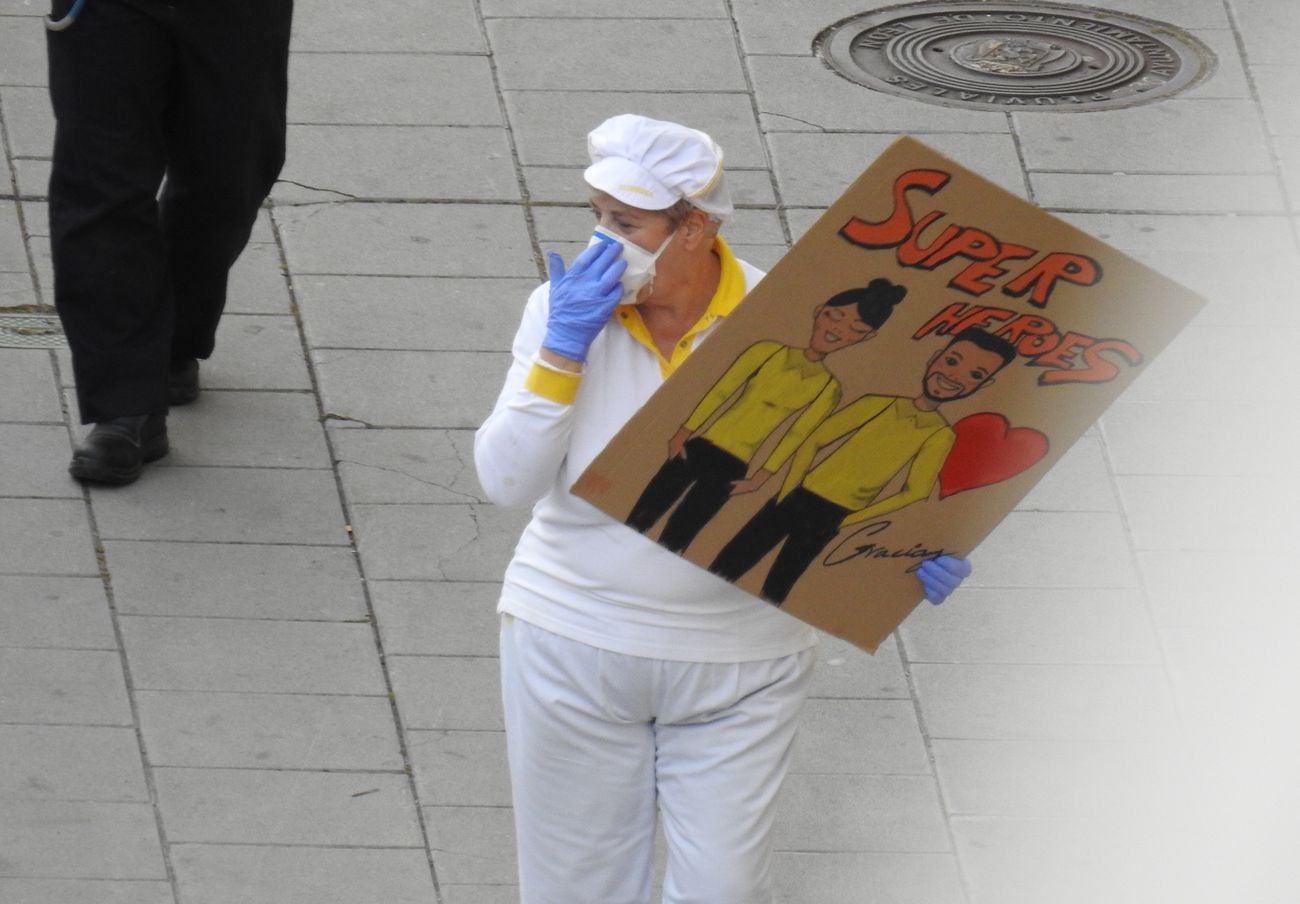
[(816, 460)]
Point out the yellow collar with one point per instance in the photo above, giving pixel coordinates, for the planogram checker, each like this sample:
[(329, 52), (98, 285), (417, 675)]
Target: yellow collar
[(731, 289)]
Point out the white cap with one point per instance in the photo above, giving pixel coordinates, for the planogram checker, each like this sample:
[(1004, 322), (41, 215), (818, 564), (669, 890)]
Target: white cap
[(652, 165)]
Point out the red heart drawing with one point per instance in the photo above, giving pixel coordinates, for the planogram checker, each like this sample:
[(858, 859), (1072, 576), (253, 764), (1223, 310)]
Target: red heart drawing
[(988, 450)]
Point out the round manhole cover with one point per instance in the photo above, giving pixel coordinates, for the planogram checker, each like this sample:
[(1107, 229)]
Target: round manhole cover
[(1015, 56)]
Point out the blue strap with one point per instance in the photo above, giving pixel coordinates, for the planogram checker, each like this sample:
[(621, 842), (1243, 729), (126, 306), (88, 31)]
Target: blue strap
[(67, 20)]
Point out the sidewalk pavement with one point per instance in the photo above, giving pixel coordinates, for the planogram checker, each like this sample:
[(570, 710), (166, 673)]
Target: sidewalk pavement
[(265, 673)]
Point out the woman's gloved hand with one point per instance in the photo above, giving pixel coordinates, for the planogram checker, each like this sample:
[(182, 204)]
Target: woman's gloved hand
[(942, 575), (582, 298)]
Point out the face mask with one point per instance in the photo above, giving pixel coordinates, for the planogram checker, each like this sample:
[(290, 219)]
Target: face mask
[(640, 263)]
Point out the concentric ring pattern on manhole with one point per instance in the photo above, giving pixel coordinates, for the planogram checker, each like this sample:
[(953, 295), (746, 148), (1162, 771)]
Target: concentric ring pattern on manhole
[(1015, 56)]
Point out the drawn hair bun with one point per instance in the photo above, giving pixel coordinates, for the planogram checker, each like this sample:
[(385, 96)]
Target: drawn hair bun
[(883, 291)]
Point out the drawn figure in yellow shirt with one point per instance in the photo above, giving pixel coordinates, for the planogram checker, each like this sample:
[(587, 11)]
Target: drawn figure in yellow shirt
[(885, 435), (770, 381)]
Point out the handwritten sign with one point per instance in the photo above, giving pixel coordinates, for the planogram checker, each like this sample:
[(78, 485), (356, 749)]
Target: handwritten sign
[(817, 469)]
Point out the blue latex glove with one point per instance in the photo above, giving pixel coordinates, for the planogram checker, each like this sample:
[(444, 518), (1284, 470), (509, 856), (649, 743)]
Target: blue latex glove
[(942, 575), (582, 298)]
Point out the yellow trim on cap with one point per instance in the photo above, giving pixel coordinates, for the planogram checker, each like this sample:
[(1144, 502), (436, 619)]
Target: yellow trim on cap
[(730, 291)]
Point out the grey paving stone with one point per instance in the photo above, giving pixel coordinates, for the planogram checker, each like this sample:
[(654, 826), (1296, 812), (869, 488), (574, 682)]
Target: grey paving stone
[(13, 253), (247, 806), (1055, 549), (447, 692), (1242, 265), (668, 9), (54, 612), (193, 654), (786, 29), (844, 671), (1073, 861), (235, 581), (1288, 152), (1037, 778), (881, 813), (643, 48), (1169, 137), (460, 768), (814, 169), (407, 240), (442, 542), (63, 687), (438, 618), (472, 845), (27, 386), (32, 178), (411, 313), (29, 121), (551, 127), (30, 450), (449, 163), (406, 466), (1078, 482), (479, 894), (86, 891), (22, 54), (1044, 624), (1190, 587), (46, 536), (1278, 87), (269, 731), (841, 878), (256, 352), (1195, 194), (802, 94), (860, 737), (36, 219), (1049, 702), (225, 505), (1228, 78), (220, 874), (1269, 31), (80, 840), (410, 388), (17, 291), (392, 89), (1246, 514), (257, 282), (1170, 438), (389, 26), (60, 762), (230, 428)]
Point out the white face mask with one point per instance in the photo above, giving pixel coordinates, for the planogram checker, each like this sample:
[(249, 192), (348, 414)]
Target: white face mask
[(640, 263)]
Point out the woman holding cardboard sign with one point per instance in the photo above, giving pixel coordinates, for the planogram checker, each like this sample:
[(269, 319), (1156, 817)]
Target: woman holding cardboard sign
[(633, 680)]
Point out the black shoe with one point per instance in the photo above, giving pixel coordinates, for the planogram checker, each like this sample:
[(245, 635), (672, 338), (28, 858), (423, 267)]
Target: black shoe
[(183, 382), (115, 451)]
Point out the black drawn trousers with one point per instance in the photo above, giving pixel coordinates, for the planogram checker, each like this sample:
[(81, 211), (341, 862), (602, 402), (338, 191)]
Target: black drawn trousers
[(804, 520), (704, 475), (189, 95)]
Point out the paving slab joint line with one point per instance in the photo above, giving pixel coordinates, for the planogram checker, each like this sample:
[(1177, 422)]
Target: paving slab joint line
[(106, 579), (905, 661), (372, 618)]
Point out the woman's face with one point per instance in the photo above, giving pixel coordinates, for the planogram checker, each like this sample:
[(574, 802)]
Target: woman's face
[(647, 228)]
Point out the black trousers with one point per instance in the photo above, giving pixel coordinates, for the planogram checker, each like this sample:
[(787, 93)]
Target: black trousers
[(192, 92), (705, 475), (804, 520)]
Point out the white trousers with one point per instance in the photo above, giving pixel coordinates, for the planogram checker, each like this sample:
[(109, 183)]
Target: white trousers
[(599, 741)]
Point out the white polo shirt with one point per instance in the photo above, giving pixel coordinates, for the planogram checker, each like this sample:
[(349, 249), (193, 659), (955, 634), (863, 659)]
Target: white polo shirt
[(577, 572)]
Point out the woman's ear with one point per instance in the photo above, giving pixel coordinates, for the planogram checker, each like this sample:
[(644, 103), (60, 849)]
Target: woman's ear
[(697, 228)]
